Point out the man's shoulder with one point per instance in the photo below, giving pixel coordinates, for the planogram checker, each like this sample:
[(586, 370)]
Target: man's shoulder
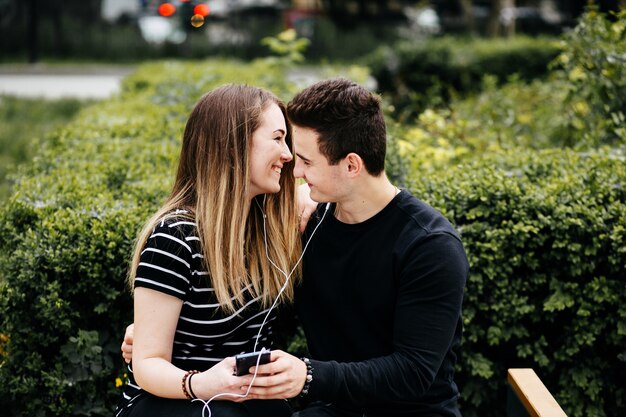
[(430, 234), (423, 216)]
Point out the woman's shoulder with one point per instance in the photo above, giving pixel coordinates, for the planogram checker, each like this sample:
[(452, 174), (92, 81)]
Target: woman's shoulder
[(176, 223), (179, 219)]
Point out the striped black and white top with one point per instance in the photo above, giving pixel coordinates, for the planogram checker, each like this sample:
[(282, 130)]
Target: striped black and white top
[(172, 263)]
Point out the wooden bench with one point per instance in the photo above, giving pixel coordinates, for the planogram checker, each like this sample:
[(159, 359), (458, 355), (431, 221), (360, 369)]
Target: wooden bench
[(528, 396)]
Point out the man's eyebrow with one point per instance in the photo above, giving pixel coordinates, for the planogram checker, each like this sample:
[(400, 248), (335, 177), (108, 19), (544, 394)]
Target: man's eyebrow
[(302, 157)]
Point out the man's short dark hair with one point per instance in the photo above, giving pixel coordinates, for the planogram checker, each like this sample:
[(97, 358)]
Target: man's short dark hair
[(347, 117)]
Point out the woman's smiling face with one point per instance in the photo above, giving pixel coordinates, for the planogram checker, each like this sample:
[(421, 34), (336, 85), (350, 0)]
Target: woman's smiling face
[(268, 152)]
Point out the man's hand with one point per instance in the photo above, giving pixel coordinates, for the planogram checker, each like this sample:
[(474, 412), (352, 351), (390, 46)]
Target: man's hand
[(306, 206), (127, 344), (282, 378)]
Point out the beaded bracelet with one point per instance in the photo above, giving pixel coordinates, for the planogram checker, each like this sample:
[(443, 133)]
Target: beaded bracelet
[(184, 383), (194, 396), (309, 377)]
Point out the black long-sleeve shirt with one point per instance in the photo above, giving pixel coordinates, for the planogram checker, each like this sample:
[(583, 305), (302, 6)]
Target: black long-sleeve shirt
[(380, 304)]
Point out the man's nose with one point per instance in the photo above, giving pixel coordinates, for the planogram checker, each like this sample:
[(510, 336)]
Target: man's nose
[(298, 170)]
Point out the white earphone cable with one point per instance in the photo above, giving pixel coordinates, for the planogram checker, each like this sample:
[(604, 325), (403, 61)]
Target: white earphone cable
[(258, 336)]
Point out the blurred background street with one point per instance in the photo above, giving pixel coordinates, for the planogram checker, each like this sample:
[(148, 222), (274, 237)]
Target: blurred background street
[(133, 30), (50, 82), (77, 48)]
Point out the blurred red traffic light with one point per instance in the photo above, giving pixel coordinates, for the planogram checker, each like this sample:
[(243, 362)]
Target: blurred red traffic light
[(167, 9), (202, 10)]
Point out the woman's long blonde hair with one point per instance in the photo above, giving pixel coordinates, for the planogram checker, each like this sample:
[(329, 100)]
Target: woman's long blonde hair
[(212, 182)]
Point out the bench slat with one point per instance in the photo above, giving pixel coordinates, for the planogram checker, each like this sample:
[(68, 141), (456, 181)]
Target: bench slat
[(533, 393)]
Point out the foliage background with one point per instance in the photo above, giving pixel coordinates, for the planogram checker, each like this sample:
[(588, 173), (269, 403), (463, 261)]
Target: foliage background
[(23, 123), (537, 194)]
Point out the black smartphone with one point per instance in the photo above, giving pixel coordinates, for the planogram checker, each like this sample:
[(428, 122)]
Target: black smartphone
[(244, 361)]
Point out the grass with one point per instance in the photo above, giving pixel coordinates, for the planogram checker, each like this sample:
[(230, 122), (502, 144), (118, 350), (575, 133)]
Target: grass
[(24, 125)]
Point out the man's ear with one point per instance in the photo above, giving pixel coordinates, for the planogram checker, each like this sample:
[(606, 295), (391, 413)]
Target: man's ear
[(354, 164)]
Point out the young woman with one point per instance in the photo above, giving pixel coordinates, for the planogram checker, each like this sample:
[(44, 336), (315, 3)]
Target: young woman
[(212, 260)]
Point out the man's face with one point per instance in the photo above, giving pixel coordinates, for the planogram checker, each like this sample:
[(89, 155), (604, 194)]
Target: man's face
[(325, 180)]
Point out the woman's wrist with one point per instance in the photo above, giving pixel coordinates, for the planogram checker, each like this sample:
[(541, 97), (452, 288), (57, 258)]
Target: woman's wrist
[(186, 385)]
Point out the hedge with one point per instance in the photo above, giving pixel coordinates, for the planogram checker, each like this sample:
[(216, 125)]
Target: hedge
[(545, 233), (579, 104), (66, 234), (22, 122), (66, 237), (540, 203), (418, 75), (593, 62)]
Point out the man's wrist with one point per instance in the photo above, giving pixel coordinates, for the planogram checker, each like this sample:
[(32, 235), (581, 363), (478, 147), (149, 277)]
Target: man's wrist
[(308, 378)]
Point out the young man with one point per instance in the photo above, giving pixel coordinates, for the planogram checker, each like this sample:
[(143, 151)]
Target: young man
[(383, 276)]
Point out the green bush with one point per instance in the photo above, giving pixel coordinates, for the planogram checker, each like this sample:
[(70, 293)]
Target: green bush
[(545, 233), (593, 62), (66, 237), (544, 228), (498, 119), (62, 305), (416, 75), (23, 122), (579, 105), (66, 234)]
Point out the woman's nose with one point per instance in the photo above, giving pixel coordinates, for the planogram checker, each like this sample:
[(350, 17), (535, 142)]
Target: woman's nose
[(286, 155)]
